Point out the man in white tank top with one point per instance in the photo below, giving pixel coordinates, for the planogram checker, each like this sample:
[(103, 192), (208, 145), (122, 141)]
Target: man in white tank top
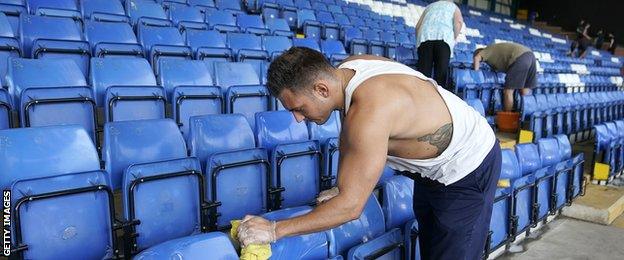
[(394, 115)]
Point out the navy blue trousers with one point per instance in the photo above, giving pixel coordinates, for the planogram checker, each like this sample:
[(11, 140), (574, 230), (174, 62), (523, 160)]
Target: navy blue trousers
[(454, 220)]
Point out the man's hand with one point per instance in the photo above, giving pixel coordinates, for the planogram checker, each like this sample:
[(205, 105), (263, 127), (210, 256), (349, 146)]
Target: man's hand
[(256, 230), (327, 195)]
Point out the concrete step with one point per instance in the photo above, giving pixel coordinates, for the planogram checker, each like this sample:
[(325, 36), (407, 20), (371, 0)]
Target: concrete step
[(507, 140), (601, 205), (618, 222)]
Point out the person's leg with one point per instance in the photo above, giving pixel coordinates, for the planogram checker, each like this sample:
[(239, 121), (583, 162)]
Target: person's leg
[(518, 74), (442, 55), (461, 213), (508, 99), (424, 216), (425, 58)]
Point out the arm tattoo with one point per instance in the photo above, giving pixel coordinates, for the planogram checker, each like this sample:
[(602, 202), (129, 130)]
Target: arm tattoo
[(440, 139)]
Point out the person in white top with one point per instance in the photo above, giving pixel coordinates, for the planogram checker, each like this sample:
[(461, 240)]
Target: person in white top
[(395, 115), (436, 32)]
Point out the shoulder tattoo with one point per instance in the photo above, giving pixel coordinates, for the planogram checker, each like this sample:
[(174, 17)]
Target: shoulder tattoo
[(441, 138)]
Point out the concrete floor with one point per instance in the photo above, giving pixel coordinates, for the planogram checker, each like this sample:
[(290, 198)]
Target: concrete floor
[(573, 239)]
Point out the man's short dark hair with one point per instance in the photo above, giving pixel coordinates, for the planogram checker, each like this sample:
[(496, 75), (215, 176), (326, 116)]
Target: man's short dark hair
[(295, 69), (476, 52)]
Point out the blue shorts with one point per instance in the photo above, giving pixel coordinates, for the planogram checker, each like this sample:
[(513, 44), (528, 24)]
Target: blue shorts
[(454, 220), (522, 72)]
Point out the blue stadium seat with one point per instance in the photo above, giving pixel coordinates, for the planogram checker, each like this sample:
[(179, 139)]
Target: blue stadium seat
[(58, 157), (248, 48), (242, 90), (605, 148), (334, 51), (146, 13), (126, 103), (499, 223), (341, 19), (208, 45), (478, 105), (319, 6), (204, 4), (279, 27), (389, 245), (107, 72), (112, 39), (57, 8), (276, 45), (251, 24), (562, 168), (354, 39), (5, 109), (270, 9), (524, 187), (42, 160), (12, 9), (368, 226), (135, 142), (389, 39), (162, 199), (545, 176), (334, 8), (397, 201), (306, 21), (331, 30), (10, 47), (53, 38), (42, 101), (229, 5), (303, 4), (193, 247), (545, 112), (307, 42), (162, 43), (190, 90), (575, 163), (226, 148), (221, 20), (406, 56), (327, 135), (295, 160), (309, 246), (184, 16), (375, 45), (103, 10)]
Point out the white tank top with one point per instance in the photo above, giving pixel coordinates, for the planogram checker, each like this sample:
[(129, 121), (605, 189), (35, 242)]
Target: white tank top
[(472, 137)]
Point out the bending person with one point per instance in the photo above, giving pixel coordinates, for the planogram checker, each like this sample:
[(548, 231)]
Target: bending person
[(416, 126)]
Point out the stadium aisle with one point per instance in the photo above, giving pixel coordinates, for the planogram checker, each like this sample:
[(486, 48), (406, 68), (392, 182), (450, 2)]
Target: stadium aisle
[(567, 237)]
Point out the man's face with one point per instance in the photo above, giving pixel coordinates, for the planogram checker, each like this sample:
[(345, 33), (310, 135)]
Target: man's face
[(312, 105)]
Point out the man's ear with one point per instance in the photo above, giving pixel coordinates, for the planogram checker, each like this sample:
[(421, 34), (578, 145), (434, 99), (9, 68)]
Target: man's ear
[(321, 88)]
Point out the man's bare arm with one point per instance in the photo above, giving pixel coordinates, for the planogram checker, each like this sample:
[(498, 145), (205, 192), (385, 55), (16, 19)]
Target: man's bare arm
[(476, 61), (458, 20), (363, 149)]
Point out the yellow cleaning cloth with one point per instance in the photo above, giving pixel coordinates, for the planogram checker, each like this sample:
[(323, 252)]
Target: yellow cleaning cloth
[(250, 252), (503, 183)]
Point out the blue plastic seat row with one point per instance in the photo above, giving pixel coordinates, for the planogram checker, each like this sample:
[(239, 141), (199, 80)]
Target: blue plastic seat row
[(548, 114), (148, 157), (543, 177), (609, 147)]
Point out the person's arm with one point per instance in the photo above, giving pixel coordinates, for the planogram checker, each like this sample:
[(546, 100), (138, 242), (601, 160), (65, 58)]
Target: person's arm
[(363, 152), (585, 34), (476, 61), (458, 20), (420, 20)]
